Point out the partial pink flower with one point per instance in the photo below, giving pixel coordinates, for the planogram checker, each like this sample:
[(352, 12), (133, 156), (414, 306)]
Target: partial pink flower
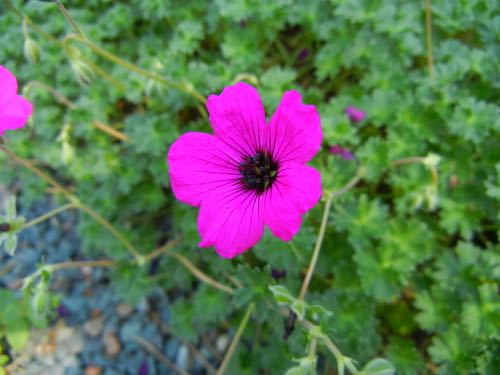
[(354, 114), (14, 109), (251, 173), (342, 152)]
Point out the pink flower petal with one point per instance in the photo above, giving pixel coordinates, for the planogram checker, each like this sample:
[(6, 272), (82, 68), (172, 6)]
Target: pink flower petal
[(238, 118), (198, 164), (296, 190), (230, 220), (15, 113), (8, 86), (295, 130)]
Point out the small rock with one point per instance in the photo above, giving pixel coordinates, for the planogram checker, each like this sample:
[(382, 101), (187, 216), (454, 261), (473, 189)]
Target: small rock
[(171, 348), (93, 370), (130, 329), (123, 310), (221, 343), (181, 360), (112, 344), (93, 327)]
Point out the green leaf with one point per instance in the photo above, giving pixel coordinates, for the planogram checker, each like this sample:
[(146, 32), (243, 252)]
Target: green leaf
[(256, 289), (17, 334), (11, 244), (213, 303), (379, 366), (405, 357), (183, 320), (3, 359), (10, 208), (306, 366), (281, 295)]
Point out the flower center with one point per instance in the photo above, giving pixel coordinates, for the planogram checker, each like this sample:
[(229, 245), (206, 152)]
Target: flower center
[(4, 227), (258, 172)]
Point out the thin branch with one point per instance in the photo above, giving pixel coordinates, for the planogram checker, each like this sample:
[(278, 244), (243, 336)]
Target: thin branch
[(31, 23), (48, 215), (80, 264), (234, 280), (37, 171), (158, 355), (111, 131), (58, 96), (161, 250), (72, 198), (181, 86), (236, 340), (409, 160), (322, 230), (428, 34), (200, 275), (166, 329), (115, 232), (69, 18)]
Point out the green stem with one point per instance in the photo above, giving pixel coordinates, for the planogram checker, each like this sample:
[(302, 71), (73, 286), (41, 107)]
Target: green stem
[(139, 258), (70, 19), (76, 202), (428, 34), (236, 339), (181, 86), (57, 95), (38, 172), (322, 230), (48, 215), (115, 232), (200, 275), (31, 23)]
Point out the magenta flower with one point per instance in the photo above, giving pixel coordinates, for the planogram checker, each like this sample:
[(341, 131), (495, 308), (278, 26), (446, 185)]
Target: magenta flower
[(250, 173), (14, 109), (342, 152), (354, 114)]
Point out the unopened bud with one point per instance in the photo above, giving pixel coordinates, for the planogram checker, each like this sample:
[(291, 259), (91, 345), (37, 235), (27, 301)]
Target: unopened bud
[(31, 50), (432, 160), (83, 72)]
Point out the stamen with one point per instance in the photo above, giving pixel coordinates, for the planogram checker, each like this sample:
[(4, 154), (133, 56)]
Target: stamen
[(258, 172)]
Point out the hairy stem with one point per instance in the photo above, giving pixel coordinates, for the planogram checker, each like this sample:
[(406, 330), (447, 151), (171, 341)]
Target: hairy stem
[(158, 355), (161, 250), (58, 96), (200, 275), (69, 18), (48, 215), (38, 172), (81, 264), (181, 86), (322, 230), (75, 201), (115, 232), (236, 339), (31, 23), (428, 37)]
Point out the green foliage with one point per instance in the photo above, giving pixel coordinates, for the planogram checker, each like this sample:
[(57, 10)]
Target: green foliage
[(410, 264), (11, 225)]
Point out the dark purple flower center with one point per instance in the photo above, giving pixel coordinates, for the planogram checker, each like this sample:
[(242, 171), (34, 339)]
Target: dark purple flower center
[(4, 227), (258, 172)]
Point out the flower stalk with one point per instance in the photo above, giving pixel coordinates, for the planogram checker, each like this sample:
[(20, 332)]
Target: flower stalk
[(48, 215), (428, 37), (324, 221), (236, 339)]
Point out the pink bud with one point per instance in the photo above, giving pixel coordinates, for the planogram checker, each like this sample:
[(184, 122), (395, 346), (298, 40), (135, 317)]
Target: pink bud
[(354, 114)]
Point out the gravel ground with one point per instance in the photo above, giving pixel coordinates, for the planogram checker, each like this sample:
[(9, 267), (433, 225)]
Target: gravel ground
[(94, 333)]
